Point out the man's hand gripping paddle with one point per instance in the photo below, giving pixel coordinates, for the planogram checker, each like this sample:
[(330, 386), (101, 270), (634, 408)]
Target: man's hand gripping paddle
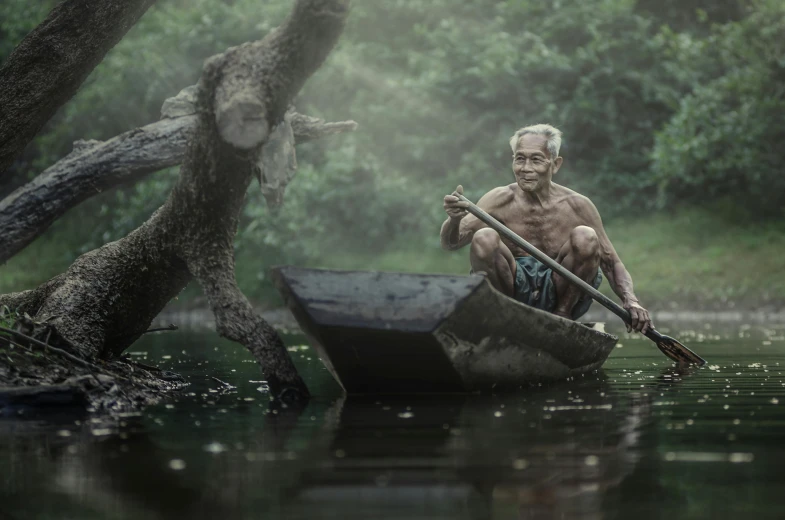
[(668, 345)]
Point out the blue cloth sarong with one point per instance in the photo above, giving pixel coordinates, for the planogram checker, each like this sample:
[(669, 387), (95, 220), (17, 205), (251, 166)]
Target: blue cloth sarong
[(534, 286)]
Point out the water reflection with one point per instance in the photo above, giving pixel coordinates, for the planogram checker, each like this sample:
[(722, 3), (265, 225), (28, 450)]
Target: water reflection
[(641, 439), (545, 454), (551, 453)]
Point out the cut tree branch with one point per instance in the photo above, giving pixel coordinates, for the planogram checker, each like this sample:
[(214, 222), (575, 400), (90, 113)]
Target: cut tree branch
[(48, 66), (109, 296), (95, 166)]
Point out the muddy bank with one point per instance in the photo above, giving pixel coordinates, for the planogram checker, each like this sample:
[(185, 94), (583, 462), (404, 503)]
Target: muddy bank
[(36, 376)]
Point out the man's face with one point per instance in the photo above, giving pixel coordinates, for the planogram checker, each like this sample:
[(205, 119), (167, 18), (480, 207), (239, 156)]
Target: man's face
[(532, 164)]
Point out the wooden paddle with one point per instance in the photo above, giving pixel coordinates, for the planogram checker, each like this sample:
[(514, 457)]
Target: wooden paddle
[(669, 346)]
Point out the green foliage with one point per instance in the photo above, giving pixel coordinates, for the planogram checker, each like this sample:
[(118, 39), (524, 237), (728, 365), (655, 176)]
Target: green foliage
[(724, 138), (17, 18), (8, 319), (350, 203), (661, 102)]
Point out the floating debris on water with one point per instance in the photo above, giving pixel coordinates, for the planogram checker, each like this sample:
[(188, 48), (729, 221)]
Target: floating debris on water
[(177, 464), (700, 456), (214, 447)]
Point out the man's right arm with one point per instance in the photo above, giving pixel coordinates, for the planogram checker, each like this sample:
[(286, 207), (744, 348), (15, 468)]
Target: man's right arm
[(451, 234), (460, 226), (455, 233)]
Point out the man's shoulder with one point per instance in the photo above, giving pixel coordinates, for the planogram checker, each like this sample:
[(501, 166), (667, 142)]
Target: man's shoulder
[(579, 203), (499, 196), (572, 197)]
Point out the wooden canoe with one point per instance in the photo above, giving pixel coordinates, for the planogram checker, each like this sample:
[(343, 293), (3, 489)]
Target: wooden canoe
[(385, 332)]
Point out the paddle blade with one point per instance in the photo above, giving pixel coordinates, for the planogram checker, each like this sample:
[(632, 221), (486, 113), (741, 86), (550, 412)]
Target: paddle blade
[(678, 352)]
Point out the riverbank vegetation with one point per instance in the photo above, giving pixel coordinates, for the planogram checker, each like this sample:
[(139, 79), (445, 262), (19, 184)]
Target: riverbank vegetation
[(672, 115), (691, 259)]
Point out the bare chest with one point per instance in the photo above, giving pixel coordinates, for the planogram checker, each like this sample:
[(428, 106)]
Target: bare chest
[(545, 229)]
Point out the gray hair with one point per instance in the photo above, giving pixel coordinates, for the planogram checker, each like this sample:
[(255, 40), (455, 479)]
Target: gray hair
[(551, 133)]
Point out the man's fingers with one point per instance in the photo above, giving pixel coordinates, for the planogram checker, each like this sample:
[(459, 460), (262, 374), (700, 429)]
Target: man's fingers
[(453, 198), (644, 320), (455, 207), (649, 326), (634, 319), (452, 201)]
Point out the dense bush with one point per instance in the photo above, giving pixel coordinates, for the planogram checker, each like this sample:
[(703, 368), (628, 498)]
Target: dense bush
[(725, 138), (661, 102)]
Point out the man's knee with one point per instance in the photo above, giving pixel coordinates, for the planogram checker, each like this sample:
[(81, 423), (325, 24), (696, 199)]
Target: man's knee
[(485, 243), (584, 242)]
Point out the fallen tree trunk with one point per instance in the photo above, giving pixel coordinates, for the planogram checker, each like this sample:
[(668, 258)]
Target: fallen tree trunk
[(109, 296), (48, 66), (95, 166)]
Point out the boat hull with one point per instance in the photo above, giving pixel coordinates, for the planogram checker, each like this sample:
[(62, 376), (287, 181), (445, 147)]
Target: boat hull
[(380, 332)]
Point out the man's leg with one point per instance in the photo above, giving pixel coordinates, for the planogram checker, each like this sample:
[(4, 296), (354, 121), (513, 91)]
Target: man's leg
[(489, 255), (581, 255)]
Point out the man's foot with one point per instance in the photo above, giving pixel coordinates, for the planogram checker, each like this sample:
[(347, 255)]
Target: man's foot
[(565, 315)]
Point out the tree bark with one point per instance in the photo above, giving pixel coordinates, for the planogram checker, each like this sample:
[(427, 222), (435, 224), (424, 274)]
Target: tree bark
[(96, 166), (109, 296), (48, 66)]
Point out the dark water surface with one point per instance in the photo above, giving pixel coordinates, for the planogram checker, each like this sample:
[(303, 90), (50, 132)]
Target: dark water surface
[(638, 440)]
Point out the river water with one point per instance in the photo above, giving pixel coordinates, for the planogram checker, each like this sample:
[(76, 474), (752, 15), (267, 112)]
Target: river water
[(639, 439)]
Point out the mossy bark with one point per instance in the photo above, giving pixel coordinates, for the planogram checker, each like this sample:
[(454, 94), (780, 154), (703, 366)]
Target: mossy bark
[(109, 296), (48, 66)]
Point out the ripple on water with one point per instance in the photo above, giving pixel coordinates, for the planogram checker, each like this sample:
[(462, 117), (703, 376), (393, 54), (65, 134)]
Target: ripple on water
[(641, 436)]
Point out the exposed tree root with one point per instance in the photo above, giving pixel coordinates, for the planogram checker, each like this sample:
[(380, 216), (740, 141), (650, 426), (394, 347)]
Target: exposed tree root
[(108, 297)]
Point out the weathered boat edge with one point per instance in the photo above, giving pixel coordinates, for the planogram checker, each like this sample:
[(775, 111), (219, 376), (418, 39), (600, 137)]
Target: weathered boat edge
[(516, 345), (552, 348), (308, 328), (363, 356)]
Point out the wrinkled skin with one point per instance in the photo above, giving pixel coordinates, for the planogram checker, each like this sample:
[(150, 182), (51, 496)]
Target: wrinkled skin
[(558, 221)]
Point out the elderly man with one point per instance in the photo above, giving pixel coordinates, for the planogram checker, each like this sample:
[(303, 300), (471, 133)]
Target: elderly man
[(556, 220)]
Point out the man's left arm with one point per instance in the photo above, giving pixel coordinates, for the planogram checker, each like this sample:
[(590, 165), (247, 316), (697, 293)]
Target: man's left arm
[(618, 276)]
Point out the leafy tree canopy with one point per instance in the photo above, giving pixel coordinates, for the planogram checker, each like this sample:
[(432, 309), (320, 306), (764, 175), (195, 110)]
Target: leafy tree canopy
[(661, 103)]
